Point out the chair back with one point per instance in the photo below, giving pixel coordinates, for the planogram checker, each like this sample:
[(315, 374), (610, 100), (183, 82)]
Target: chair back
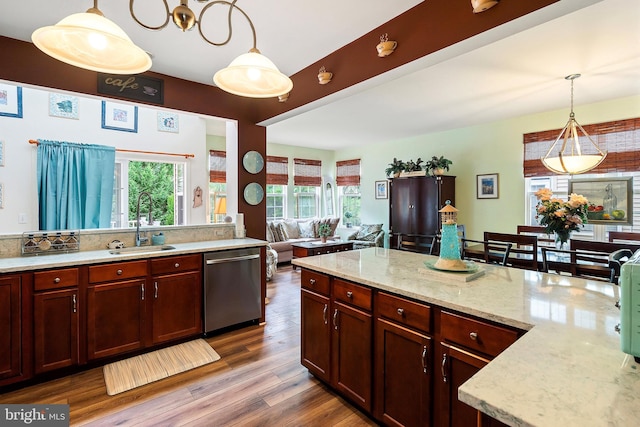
[(423, 243), (544, 239), (524, 249), (491, 252), (585, 264), (628, 236), (608, 247)]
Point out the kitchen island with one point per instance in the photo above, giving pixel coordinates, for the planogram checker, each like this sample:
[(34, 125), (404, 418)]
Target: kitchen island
[(566, 370)]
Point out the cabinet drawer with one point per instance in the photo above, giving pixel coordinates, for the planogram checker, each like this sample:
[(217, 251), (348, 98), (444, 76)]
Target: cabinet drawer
[(317, 282), (476, 335), (55, 279), (351, 293), (175, 264), (404, 312), (117, 271)]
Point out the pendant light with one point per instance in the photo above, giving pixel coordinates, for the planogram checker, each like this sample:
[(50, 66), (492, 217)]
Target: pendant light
[(569, 157), (91, 41)]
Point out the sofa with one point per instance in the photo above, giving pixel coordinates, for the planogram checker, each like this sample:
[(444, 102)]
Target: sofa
[(282, 233), (369, 235)]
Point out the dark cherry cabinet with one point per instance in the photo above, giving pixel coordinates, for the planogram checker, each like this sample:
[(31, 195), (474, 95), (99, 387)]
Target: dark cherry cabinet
[(176, 309), (414, 203), (13, 331), (316, 334)]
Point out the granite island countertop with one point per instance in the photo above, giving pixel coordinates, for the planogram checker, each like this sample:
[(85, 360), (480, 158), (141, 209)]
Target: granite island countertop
[(40, 262), (567, 370)]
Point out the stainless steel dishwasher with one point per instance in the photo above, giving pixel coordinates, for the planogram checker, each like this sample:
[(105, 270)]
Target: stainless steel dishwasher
[(231, 288)]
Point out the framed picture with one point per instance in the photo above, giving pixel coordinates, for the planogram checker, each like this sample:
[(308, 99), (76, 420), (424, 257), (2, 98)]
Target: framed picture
[(122, 117), (64, 106), (610, 199), (10, 101), (1, 153), (487, 186), (168, 122), (382, 189)]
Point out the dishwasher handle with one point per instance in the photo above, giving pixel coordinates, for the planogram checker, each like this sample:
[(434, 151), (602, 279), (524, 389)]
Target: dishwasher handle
[(234, 259)]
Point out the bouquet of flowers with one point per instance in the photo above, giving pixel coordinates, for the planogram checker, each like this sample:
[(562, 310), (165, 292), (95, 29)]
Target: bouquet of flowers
[(559, 216)]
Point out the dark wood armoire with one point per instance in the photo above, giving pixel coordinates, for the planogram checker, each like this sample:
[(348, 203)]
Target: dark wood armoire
[(414, 203)]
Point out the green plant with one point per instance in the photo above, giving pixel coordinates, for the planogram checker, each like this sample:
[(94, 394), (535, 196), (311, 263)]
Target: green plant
[(395, 167), (324, 230), (348, 215), (437, 163), (412, 166)]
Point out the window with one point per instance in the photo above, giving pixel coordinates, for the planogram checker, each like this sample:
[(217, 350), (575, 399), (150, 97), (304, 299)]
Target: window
[(348, 182), (306, 198), (276, 202), (217, 186)]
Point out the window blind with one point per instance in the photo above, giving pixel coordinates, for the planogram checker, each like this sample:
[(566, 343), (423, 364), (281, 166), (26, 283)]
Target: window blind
[(217, 166), (619, 138), (307, 172), (348, 172), (277, 170)]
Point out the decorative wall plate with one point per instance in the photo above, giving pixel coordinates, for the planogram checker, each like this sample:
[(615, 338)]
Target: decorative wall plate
[(253, 193), (253, 162)]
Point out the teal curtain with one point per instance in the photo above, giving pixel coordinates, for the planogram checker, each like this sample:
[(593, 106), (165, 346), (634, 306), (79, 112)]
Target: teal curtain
[(75, 185)]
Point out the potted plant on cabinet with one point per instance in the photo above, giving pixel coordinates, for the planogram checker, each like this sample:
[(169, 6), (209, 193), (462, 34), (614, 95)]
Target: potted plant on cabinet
[(412, 168), (437, 165), (324, 230), (347, 216), (395, 168)]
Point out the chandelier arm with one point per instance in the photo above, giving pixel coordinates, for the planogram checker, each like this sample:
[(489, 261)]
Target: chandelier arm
[(556, 141), (159, 27), (590, 139), (232, 5), (575, 139)]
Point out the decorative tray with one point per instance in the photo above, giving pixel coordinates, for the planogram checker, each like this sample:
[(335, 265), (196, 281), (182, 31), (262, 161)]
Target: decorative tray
[(472, 272), (471, 267)]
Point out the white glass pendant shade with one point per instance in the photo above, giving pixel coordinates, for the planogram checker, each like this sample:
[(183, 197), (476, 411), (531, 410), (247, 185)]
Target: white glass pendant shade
[(91, 41), (253, 75)]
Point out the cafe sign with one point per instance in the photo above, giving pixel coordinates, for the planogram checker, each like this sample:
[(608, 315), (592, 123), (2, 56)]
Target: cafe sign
[(136, 87)]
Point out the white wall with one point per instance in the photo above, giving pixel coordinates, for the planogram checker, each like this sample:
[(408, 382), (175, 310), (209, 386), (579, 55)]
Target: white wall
[(19, 172)]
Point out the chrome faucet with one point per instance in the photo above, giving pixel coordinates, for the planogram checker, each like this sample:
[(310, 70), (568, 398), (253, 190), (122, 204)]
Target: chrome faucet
[(140, 240)]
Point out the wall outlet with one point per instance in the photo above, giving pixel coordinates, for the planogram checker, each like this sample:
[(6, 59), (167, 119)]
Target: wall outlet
[(23, 218)]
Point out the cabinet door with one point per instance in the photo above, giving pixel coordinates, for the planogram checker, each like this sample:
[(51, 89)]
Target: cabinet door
[(177, 306), (404, 367), (352, 354), (115, 318), (400, 201), (316, 334), (55, 316), (425, 196), (10, 328), (457, 366)]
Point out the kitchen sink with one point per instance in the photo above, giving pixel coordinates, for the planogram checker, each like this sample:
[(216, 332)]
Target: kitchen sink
[(141, 249)]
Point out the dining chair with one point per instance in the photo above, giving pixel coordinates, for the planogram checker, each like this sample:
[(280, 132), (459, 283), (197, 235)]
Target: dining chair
[(544, 239), (586, 264), (628, 236), (423, 243), (597, 246), (616, 259), (524, 249), (484, 251)]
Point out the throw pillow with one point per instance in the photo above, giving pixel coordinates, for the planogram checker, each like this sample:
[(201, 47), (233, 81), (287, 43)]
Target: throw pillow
[(306, 229), (366, 232), (277, 237), (290, 227), (269, 234), (333, 223)]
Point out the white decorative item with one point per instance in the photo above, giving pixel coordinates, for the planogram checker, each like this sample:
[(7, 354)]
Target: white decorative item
[(64, 106), (240, 231), (168, 122)]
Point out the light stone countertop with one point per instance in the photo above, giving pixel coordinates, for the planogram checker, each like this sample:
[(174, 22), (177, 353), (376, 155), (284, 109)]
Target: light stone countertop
[(567, 370), (40, 262)]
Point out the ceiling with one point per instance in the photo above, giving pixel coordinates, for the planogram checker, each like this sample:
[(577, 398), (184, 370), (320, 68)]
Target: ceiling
[(510, 71)]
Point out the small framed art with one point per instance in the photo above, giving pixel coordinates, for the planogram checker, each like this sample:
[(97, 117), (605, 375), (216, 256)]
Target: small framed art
[(382, 189), (168, 122), (487, 186), (64, 106), (121, 117), (10, 101)]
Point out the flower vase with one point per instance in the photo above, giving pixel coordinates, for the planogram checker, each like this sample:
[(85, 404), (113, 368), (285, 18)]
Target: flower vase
[(562, 240)]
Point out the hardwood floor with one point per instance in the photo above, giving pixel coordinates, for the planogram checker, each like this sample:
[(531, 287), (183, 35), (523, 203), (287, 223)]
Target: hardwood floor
[(259, 381)]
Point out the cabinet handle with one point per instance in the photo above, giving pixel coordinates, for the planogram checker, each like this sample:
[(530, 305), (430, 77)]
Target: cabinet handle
[(324, 314), (349, 294), (401, 312), (155, 290), (424, 359), (312, 281), (335, 319), (75, 303), (177, 265), (442, 368), (119, 272), (142, 288), (56, 280), (473, 336)]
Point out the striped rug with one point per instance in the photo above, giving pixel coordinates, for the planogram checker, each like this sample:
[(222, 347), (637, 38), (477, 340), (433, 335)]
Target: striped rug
[(156, 365)]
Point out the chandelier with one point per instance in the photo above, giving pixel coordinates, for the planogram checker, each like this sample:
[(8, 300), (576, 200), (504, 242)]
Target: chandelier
[(569, 158)]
